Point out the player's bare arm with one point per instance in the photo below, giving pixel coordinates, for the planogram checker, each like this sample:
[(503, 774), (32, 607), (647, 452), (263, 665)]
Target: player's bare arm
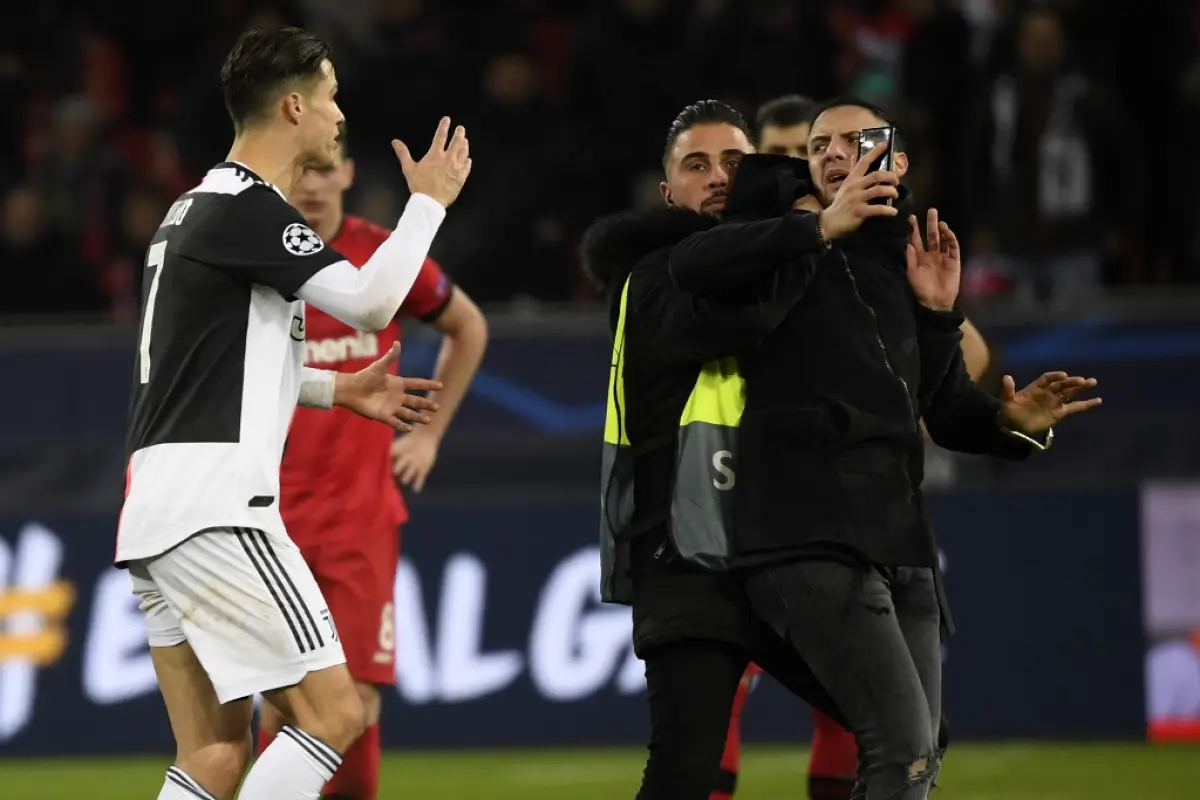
[(374, 392), (464, 331), (369, 298)]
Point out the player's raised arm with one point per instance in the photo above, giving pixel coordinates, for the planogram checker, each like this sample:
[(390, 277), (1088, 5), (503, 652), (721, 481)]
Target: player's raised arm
[(369, 298)]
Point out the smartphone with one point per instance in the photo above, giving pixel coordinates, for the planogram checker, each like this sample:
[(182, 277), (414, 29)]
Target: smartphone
[(868, 140)]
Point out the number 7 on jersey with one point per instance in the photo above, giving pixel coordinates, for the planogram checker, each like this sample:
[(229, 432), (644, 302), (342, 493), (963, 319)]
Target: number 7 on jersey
[(155, 257)]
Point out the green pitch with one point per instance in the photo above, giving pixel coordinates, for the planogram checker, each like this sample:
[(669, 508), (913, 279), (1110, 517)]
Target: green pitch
[(972, 772)]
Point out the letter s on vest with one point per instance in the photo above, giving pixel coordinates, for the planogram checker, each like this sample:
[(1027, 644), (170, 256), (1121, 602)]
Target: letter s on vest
[(722, 462)]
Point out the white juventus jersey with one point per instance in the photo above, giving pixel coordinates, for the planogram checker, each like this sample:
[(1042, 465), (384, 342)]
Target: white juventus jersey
[(218, 369)]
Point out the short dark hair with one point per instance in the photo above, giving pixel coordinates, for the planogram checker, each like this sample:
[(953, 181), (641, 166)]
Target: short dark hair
[(263, 63), (857, 102), (785, 111), (705, 112)]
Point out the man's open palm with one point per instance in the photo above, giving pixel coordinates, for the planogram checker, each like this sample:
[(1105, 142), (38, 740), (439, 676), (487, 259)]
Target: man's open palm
[(444, 168), (934, 265), (1044, 403), (375, 392)]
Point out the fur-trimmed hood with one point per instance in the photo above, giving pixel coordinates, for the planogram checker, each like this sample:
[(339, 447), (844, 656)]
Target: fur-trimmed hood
[(613, 245), (765, 186)]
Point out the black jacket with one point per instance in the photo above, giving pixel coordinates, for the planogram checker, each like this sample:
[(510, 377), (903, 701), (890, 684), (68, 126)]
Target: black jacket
[(830, 456), (669, 334)]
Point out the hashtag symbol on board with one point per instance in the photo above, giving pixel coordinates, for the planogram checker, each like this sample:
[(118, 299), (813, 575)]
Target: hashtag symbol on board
[(51, 604)]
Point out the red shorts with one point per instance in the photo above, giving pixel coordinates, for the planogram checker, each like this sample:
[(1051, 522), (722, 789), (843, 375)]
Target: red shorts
[(357, 576)]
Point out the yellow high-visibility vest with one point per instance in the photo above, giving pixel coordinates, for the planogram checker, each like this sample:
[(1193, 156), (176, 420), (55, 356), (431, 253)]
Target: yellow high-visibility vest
[(701, 515)]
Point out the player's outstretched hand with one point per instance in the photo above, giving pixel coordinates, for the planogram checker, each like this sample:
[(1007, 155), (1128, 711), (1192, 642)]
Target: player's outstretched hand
[(443, 170), (377, 393)]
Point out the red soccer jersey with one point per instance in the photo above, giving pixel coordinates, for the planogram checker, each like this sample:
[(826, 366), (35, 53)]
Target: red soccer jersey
[(336, 477)]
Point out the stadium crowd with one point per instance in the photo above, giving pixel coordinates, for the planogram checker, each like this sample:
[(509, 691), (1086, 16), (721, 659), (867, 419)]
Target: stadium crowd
[(115, 109)]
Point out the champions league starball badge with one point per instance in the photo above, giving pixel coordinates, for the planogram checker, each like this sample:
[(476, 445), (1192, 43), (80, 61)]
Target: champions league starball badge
[(301, 240)]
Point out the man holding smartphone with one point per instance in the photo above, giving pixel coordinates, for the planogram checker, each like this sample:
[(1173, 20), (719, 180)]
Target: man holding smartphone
[(831, 535), (782, 127)]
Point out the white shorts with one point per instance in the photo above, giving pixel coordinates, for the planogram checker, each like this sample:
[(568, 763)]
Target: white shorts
[(247, 604)]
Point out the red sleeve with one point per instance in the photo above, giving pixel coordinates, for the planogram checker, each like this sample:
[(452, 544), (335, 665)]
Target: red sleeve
[(430, 294)]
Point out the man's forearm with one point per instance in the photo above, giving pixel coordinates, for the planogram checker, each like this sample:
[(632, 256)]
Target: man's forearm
[(684, 328), (962, 417), (735, 253), (976, 356), (975, 351), (368, 298), (939, 341), (458, 360), (958, 414)]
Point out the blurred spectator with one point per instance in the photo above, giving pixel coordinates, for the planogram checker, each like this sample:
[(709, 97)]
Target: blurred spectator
[(872, 34), (203, 129), (565, 99), (551, 35), (81, 179), (41, 263), (936, 84), (14, 89), (1052, 186), (406, 82), (141, 213), (1091, 28), (1183, 211), (782, 125), (515, 143), (1173, 232), (163, 165), (629, 78), (790, 47)]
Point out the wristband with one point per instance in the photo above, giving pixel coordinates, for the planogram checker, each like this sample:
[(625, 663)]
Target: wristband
[(1042, 446), (316, 388)]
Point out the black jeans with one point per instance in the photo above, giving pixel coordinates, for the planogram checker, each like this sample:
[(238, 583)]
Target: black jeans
[(873, 639), (690, 686)]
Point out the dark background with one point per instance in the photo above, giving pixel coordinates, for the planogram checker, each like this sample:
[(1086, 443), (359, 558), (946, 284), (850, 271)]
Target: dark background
[(113, 108)]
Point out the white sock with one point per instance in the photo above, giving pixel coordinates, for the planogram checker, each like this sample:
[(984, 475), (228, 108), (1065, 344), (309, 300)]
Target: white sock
[(180, 786), (296, 766)]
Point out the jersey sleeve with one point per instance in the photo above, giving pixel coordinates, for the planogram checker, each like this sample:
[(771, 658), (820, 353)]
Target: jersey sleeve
[(430, 293), (260, 238)]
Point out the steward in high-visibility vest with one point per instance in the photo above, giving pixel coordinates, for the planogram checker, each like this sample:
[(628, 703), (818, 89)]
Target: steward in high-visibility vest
[(700, 516), (675, 396), (673, 408)]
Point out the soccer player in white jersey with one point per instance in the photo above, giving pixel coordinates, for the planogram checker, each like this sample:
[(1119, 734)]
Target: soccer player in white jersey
[(231, 608)]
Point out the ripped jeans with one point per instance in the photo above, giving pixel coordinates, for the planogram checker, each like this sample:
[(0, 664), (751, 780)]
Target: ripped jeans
[(874, 640)]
